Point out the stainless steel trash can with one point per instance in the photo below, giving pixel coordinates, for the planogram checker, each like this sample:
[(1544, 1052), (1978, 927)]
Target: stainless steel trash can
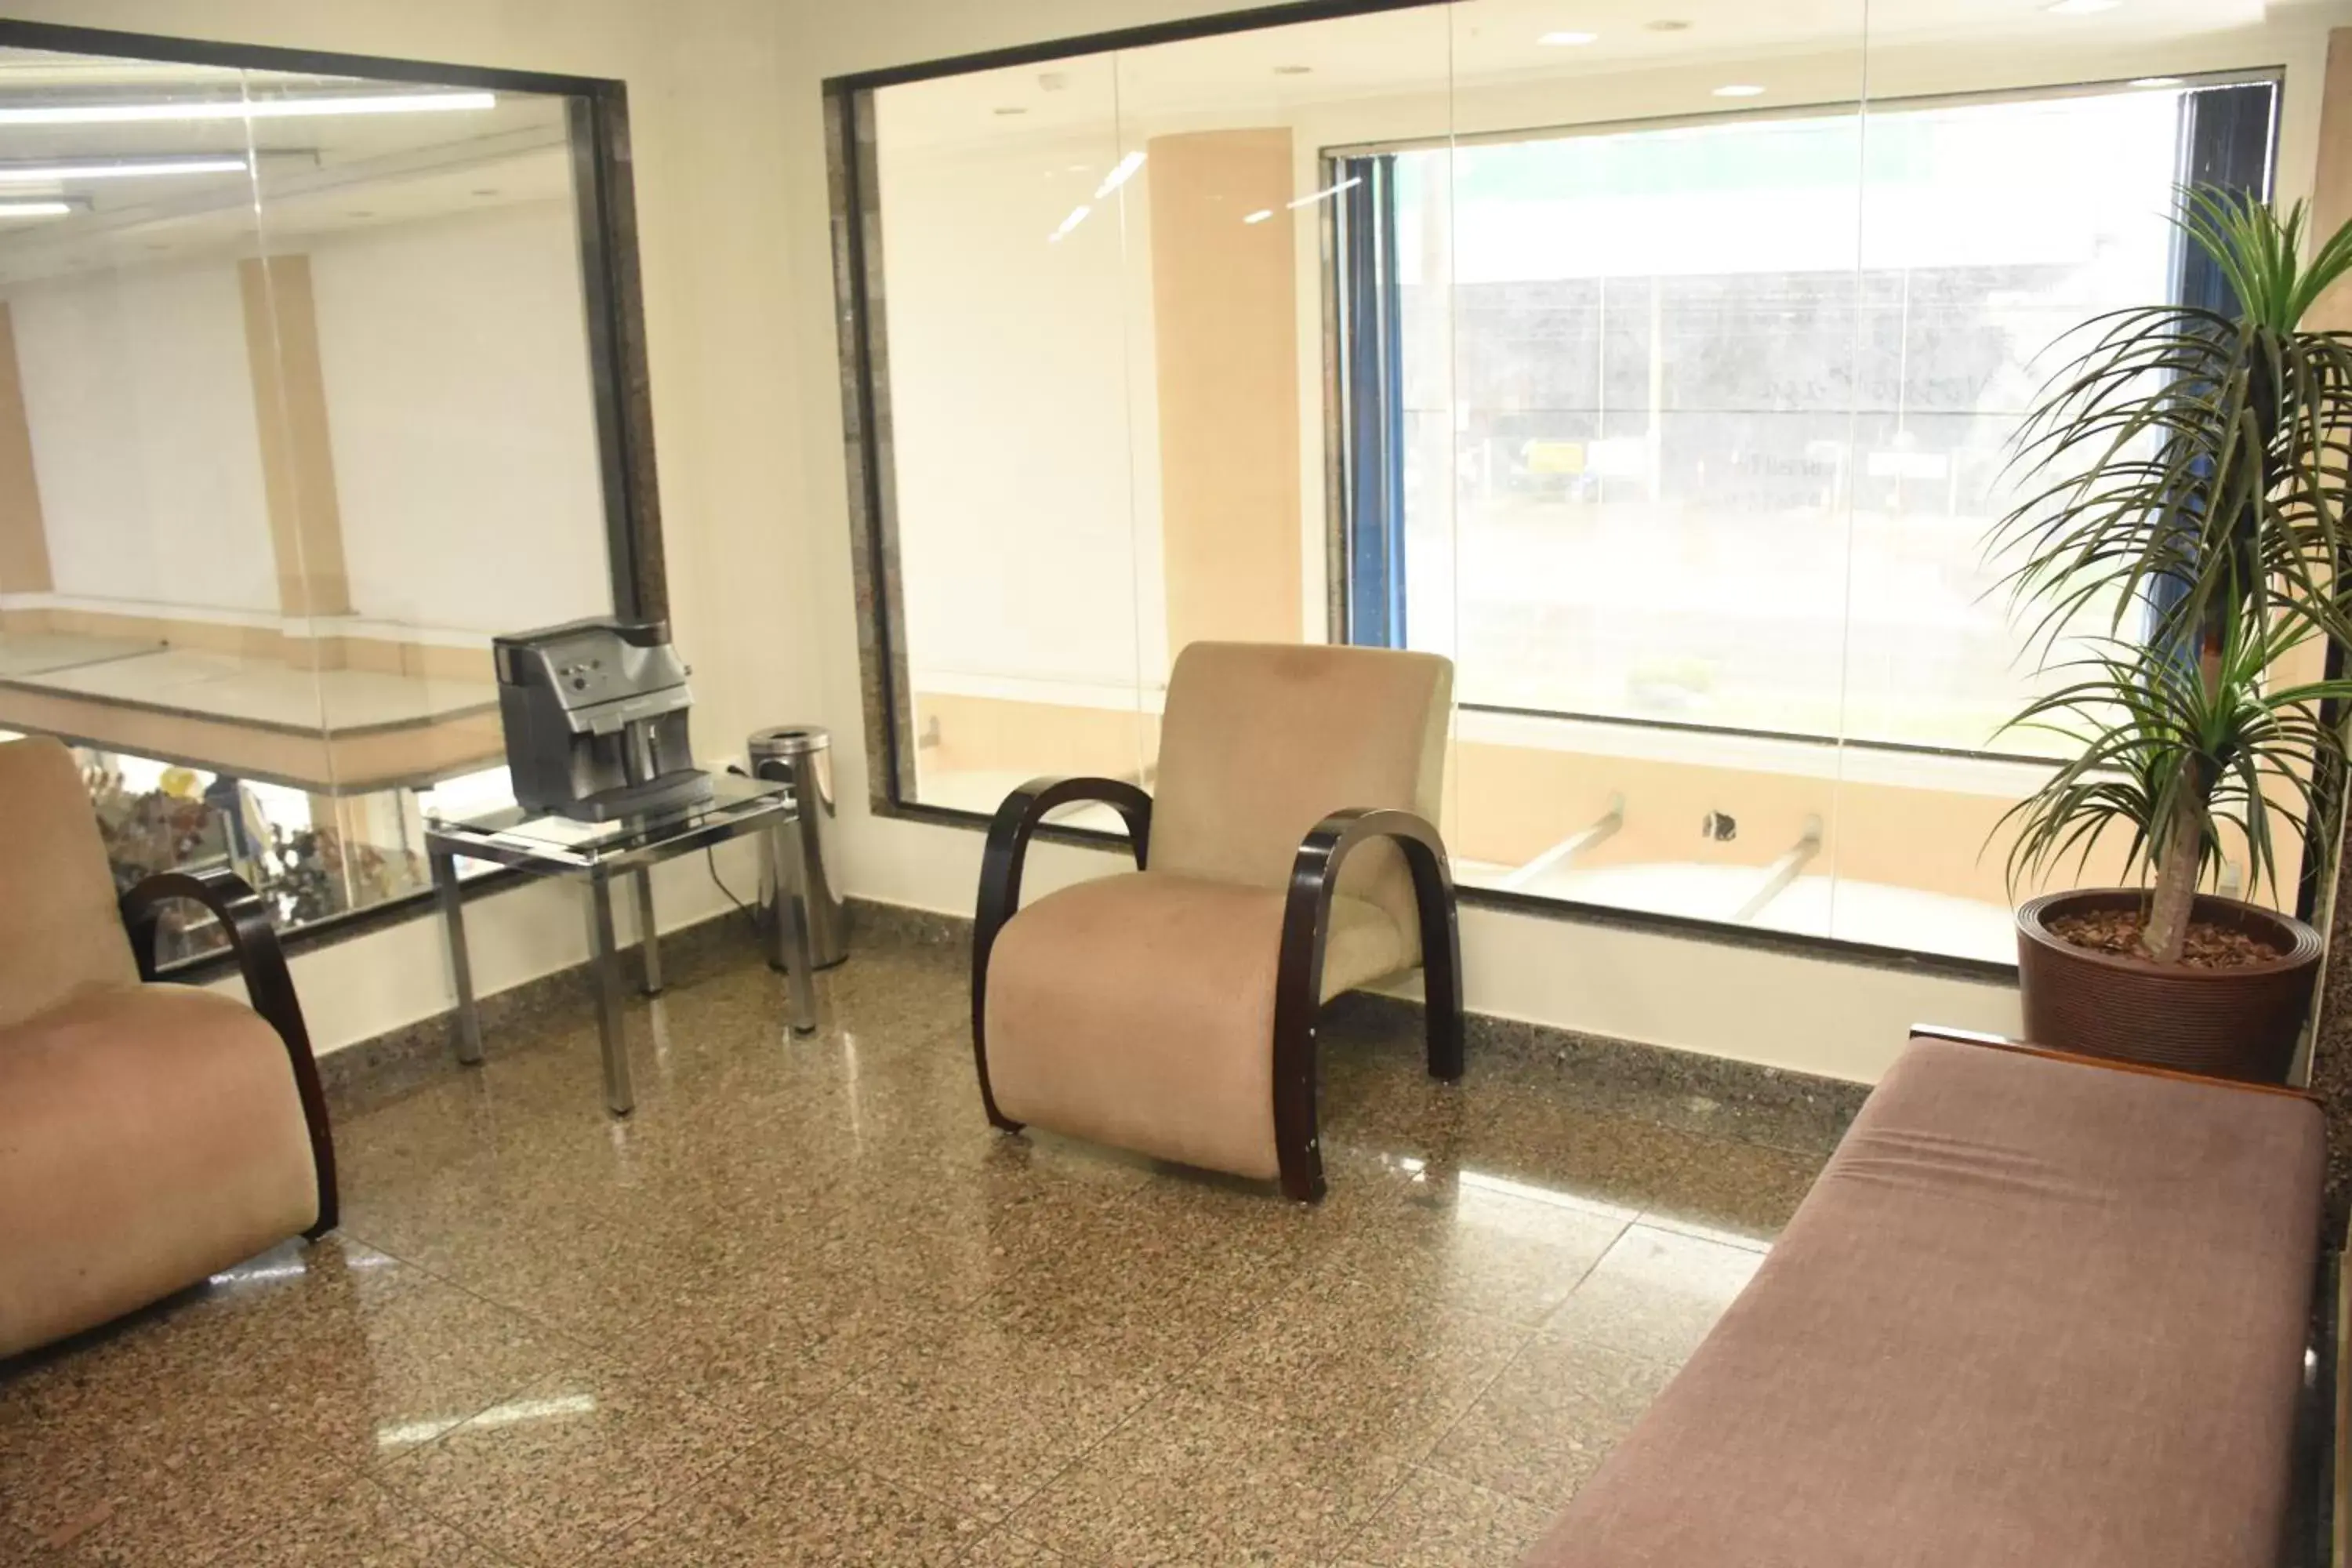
[(800, 757)]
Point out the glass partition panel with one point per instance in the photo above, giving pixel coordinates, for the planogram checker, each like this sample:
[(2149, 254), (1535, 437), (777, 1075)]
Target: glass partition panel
[(1005, 286), (1664, 372), (297, 416), (1655, 303)]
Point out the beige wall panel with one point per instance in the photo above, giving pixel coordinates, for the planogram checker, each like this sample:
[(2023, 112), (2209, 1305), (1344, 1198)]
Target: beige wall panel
[(23, 544), (1226, 321), (297, 465), (2331, 186)]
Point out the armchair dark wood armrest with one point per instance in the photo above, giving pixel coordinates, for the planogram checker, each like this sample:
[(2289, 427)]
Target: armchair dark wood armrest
[(268, 985), (1299, 980), (1009, 833)]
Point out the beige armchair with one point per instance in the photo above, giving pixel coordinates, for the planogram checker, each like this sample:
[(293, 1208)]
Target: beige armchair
[(150, 1135), (1171, 1009)]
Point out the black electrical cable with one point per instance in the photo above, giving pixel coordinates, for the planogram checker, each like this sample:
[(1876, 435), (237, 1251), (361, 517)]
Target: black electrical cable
[(711, 860)]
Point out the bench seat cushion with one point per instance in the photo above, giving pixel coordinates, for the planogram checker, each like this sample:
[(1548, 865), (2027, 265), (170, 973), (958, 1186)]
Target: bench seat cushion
[(2035, 1312)]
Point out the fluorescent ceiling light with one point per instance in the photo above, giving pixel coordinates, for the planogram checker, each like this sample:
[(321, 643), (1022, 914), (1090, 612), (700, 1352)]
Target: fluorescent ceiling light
[(1122, 171), (1739, 89), (2080, 7), (1568, 40), (1314, 196), (1260, 215), (35, 209), (245, 108), (1077, 216), (2155, 81), (116, 169)]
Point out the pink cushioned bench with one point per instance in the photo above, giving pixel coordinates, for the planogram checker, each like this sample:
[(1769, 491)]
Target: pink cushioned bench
[(2038, 1312)]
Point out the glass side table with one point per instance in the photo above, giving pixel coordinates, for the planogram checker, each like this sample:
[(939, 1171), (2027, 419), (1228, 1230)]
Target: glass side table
[(597, 853)]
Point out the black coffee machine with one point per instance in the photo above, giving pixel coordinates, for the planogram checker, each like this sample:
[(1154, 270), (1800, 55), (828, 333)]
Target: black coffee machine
[(595, 719)]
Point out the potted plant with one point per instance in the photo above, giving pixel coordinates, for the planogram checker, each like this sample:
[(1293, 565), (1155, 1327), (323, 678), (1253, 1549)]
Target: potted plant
[(2189, 473)]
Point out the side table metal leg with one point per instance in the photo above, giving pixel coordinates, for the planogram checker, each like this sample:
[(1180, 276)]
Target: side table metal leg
[(793, 953), (648, 938), (620, 1095), (467, 1027)]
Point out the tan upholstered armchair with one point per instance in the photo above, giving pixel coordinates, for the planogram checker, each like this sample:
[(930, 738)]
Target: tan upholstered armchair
[(150, 1134), (1289, 857)]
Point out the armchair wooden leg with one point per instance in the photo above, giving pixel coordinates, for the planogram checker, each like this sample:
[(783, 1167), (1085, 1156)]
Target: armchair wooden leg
[(1440, 978), (1299, 973)]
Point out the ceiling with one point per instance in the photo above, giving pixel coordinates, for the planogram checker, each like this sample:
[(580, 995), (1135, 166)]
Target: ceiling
[(307, 175), (1443, 49)]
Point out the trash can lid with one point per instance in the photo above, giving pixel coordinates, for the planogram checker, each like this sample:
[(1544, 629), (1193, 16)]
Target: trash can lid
[(791, 740)]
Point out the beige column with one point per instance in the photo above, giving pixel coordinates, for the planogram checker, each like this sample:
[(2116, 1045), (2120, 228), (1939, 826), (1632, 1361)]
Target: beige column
[(24, 537), (298, 464), (1226, 321), (2331, 188)]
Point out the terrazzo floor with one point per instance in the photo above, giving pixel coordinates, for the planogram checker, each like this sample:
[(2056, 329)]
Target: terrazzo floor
[(805, 1306)]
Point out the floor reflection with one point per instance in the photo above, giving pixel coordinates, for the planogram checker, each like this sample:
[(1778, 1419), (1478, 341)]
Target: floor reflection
[(807, 1278)]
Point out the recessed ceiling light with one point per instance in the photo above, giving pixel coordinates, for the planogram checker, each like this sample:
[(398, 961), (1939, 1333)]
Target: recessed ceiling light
[(2155, 82), (1568, 40), (1665, 24), (1739, 89), (2080, 7), (1292, 70)]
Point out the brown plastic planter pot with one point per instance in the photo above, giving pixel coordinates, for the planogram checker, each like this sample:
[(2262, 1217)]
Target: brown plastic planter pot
[(2224, 1022)]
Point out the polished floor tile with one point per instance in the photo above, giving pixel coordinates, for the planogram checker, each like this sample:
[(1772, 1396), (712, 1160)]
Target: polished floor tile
[(1437, 1521), (1195, 1479), (807, 1307), (548, 1475), (784, 1504)]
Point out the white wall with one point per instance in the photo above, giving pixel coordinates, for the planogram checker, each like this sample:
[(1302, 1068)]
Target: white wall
[(1021, 395), (455, 354), (138, 396)]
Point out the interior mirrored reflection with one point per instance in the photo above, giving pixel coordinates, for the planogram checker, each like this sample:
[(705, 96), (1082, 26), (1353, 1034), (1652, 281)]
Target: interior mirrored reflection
[(295, 414), (1663, 372)]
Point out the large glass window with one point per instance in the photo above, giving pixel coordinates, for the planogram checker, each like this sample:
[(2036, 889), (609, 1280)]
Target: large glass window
[(1726, 454), (296, 409), (1661, 372)]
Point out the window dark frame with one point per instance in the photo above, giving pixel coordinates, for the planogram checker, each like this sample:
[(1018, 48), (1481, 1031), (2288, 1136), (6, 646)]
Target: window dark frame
[(860, 316), (604, 207)]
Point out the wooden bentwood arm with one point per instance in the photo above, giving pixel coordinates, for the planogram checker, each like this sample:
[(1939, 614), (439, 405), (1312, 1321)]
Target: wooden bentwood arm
[(1016, 823), (253, 939), (1298, 977)]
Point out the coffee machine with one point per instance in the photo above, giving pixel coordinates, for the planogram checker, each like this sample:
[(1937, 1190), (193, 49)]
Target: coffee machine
[(594, 714)]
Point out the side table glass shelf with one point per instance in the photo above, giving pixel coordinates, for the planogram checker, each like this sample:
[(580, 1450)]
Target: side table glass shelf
[(597, 853)]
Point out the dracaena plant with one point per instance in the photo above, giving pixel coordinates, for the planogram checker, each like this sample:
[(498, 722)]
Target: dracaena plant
[(2186, 477)]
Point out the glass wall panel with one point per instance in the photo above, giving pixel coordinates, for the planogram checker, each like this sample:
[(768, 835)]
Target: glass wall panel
[(1655, 299), (1663, 372), (297, 417), (1005, 291)]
